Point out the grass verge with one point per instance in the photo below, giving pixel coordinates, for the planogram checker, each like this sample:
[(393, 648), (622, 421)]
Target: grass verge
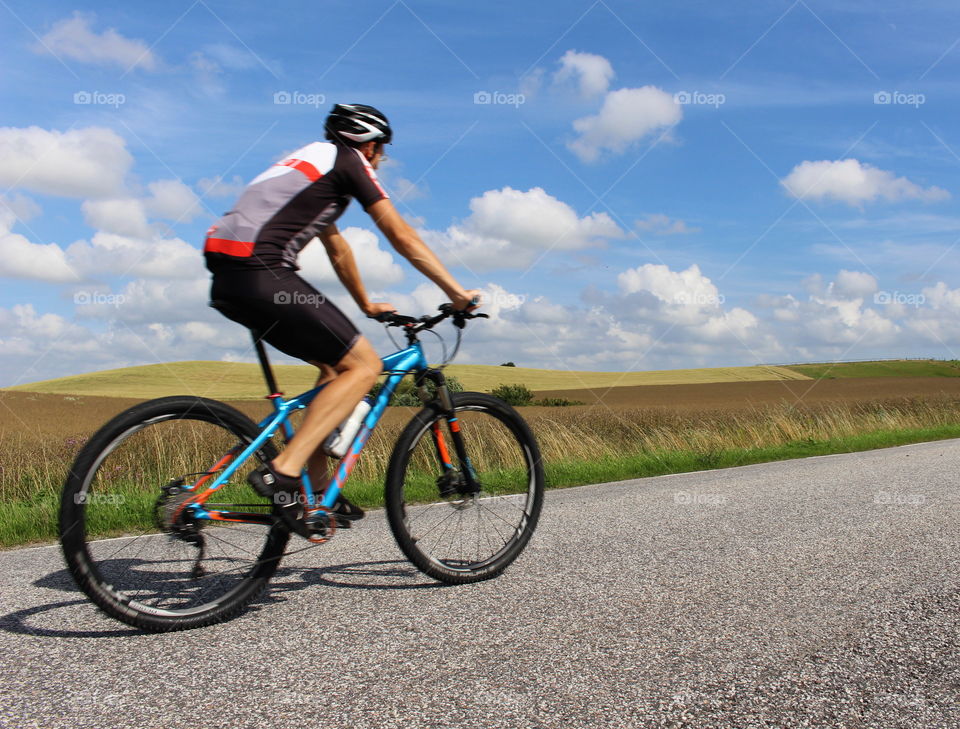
[(577, 473)]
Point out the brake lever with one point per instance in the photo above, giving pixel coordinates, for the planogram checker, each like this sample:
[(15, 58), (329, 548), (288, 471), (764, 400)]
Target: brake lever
[(460, 318), (392, 318)]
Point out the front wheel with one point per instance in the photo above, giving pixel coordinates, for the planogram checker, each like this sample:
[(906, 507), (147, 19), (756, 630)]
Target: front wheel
[(465, 519)]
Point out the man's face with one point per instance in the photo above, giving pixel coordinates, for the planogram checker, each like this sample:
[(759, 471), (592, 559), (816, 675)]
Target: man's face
[(378, 155)]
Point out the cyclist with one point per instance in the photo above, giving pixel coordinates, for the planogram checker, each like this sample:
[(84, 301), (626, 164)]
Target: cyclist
[(252, 253)]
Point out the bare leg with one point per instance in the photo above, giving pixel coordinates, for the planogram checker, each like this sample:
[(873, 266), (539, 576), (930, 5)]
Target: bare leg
[(317, 464), (356, 373)]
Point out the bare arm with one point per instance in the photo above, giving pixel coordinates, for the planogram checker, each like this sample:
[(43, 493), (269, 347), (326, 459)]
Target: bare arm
[(345, 266), (408, 244)]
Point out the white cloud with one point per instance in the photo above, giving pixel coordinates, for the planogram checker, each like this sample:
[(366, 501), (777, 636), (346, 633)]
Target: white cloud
[(854, 183), (510, 228), (660, 224), (173, 200), (20, 258), (153, 257), (531, 83), (217, 187), (854, 284), (834, 318), (24, 259), (378, 267), (592, 73), (74, 39), (626, 117), (18, 207), (680, 298), (146, 301), (89, 162), (123, 216)]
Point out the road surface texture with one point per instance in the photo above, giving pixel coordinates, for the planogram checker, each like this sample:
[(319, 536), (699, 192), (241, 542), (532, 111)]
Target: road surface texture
[(815, 593)]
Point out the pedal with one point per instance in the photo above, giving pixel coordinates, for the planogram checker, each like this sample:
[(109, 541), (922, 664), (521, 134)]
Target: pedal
[(321, 525)]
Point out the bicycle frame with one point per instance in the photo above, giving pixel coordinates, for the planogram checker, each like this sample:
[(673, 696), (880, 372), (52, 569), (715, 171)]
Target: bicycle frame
[(396, 366)]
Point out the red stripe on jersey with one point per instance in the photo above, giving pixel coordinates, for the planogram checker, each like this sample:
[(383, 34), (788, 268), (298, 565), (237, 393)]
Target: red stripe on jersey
[(369, 171), (305, 167), (239, 248)]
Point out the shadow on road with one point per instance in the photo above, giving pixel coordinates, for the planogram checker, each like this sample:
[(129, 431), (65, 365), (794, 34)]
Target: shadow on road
[(380, 575)]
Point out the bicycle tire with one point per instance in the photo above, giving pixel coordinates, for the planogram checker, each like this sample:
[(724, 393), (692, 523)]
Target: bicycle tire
[(72, 522), (398, 504)]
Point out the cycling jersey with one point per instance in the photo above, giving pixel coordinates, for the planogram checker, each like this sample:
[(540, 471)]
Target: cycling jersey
[(288, 204)]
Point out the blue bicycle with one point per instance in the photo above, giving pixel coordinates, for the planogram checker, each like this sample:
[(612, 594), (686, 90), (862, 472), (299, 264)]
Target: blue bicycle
[(161, 531)]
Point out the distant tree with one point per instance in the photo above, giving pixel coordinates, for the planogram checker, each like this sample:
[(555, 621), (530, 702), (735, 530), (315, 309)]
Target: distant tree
[(508, 364), (514, 394)]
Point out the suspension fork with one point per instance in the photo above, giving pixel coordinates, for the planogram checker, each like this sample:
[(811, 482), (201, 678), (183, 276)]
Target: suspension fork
[(443, 403)]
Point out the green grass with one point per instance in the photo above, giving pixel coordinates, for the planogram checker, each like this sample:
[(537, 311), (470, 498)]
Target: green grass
[(577, 473), (891, 368), (33, 520), (243, 381)]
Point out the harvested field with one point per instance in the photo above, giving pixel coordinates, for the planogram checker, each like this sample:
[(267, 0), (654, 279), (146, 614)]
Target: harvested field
[(741, 395), (244, 381)]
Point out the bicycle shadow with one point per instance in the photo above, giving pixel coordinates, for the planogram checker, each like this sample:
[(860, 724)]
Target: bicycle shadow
[(374, 575)]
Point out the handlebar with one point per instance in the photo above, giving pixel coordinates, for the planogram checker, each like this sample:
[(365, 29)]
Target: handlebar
[(419, 324)]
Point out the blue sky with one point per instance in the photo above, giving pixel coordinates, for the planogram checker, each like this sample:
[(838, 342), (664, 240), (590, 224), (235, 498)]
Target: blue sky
[(650, 187)]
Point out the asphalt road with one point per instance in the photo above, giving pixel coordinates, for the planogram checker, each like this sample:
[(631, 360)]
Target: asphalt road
[(820, 593)]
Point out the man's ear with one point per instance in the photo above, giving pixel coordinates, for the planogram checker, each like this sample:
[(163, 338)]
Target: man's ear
[(367, 149)]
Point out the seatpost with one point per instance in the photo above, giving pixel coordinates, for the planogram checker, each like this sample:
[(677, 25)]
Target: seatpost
[(265, 364)]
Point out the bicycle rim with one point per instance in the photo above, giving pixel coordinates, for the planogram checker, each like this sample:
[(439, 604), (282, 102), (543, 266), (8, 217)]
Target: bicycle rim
[(460, 537), (137, 562)]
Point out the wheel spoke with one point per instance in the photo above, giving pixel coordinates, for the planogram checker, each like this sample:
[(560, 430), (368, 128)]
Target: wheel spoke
[(129, 481), (484, 532)]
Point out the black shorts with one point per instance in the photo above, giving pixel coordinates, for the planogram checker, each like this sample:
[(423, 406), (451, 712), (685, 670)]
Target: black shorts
[(290, 314)]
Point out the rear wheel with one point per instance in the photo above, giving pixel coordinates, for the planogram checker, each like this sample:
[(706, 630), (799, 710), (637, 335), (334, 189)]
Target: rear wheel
[(446, 529), (127, 528)]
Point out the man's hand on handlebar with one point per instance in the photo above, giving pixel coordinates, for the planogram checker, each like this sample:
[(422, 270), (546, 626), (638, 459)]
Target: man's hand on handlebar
[(373, 310), (469, 301)]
